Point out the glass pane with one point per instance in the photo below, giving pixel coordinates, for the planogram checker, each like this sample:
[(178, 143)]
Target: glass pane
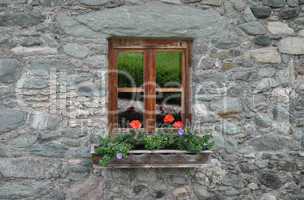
[(130, 69), (168, 104), (168, 69), (130, 107)]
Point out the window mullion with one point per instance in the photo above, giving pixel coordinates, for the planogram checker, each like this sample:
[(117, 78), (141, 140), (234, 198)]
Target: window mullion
[(150, 90), (113, 83)]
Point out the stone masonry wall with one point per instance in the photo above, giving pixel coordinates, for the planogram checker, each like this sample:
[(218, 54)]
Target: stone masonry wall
[(247, 86)]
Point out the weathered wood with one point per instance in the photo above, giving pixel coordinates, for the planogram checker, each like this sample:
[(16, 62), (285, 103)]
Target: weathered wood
[(163, 90), (157, 159), (149, 47), (150, 91), (142, 43)]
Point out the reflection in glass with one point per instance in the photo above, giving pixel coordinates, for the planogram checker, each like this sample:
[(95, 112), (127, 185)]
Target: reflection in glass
[(130, 107), (168, 69), (131, 69), (168, 103)]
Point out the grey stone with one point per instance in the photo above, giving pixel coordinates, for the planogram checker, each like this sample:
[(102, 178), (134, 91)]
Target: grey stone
[(266, 84), (155, 19), (279, 28), (86, 91), (190, 1), (51, 3), (266, 55), (263, 120), (72, 27), (24, 141), (201, 192), (248, 15), (253, 28), (261, 11), (301, 2), (114, 3), (34, 82), (27, 189), (78, 153), (87, 189), (253, 186), (230, 128), (239, 5), (76, 50), (280, 113), (94, 2), (301, 33), (11, 119), (289, 13), (31, 41), (299, 21), (42, 121), (227, 105), (25, 19), (212, 2), (49, 150), (26, 167), (283, 77), (21, 19), (266, 72), (172, 1), (106, 3), (8, 70), (293, 3), (292, 45), (262, 40), (270, 179), (33, 51), (274, 3), (242, 74), (270, 142), (97, 61)]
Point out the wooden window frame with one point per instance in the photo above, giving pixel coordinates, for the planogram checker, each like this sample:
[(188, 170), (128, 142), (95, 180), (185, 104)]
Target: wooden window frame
[(149, 47)]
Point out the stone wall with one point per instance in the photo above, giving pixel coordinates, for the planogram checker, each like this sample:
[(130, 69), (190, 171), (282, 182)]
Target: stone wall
[(247, 85)]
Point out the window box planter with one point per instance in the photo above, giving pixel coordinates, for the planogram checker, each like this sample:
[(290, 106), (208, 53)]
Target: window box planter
[(155, 159)]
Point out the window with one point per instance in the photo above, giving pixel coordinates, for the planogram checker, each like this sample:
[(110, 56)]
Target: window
[(148, 79)]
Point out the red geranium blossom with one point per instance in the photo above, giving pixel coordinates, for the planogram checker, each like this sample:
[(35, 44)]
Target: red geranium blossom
[(178, 124), (135, 124), (168, 119)]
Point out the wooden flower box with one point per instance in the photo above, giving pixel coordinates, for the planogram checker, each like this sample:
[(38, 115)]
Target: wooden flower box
[(156, 159)]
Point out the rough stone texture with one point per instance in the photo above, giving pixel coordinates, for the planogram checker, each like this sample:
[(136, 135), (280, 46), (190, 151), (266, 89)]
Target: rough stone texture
[(8, 70), (76, 50), (279, 28), (11, 119), (253, 28), (31, 51), (261, 11), (289, 13), (274, 3), (292, 45), (262, 40), (170, 20), (247, 90), (266, 55)]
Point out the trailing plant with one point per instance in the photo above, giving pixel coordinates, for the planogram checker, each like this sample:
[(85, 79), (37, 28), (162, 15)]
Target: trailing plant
[(119, 147)]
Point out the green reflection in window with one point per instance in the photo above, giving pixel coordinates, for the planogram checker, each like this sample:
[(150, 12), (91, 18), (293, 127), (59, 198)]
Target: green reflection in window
[(131, 69), (168, 73)]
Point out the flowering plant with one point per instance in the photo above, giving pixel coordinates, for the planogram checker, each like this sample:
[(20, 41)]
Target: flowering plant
[(135, 124), (119, 147), (168, 119)]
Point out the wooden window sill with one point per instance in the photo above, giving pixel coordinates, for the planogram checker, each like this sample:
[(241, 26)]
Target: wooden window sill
[(156, 159)]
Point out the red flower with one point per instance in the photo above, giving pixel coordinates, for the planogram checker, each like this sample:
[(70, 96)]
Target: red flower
[(168, 119), (135, 124), (178, 124)]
